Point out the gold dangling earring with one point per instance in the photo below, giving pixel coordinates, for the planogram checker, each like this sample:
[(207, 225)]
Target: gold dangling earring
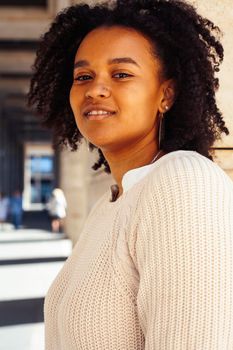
[(160, 129)]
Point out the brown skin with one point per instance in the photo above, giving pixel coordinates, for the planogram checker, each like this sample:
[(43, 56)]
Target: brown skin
[(135, 92)]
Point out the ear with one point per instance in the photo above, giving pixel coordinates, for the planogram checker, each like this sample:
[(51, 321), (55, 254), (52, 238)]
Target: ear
[(168, 95)]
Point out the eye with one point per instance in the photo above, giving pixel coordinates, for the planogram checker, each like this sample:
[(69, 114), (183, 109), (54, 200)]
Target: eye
[(83, 77), (122, 75)]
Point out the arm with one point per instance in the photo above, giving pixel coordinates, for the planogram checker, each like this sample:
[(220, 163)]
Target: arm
[(184, 257)]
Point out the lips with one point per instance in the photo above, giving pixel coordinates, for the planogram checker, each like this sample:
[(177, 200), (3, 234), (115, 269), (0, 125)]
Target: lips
[(98, 111), (99, 116)]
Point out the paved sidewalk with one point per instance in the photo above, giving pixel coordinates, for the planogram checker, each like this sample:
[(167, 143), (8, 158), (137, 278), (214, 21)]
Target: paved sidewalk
[(30, 259)]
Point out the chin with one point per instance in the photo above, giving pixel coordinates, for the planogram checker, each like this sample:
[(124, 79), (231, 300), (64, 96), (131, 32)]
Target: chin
[(100, 139), (104, 144)]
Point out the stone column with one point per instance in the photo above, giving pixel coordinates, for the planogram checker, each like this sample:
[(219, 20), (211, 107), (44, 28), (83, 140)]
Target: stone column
[(82, 187), (221, 13), (61, 4), (74, 182)]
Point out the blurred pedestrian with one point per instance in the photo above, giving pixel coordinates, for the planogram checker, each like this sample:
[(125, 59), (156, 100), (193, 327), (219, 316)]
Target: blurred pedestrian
[(16, 209), (4, 207), (57, 209)]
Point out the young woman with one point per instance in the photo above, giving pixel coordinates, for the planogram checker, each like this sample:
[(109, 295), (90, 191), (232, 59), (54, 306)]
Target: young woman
[(153, 267)]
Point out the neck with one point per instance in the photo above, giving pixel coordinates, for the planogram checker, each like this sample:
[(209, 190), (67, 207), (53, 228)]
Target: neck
[(123, 160)]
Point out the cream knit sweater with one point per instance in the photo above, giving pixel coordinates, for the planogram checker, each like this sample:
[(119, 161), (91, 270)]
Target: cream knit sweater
[(154, 269)]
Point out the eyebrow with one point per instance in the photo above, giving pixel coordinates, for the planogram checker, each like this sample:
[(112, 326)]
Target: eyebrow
[(84, 63), (123, 60)]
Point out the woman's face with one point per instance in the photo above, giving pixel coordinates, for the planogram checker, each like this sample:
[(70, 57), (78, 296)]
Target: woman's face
[(117, 89)]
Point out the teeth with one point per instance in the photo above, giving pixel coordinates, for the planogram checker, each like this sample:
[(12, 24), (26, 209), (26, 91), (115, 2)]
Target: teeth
[(98, 113)]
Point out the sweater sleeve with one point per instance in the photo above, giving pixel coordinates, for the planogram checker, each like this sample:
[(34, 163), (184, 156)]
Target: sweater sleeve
[(183, 254)]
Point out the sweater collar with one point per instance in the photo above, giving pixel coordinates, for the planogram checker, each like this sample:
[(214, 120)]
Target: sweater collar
[(130, 178), (133, 176)]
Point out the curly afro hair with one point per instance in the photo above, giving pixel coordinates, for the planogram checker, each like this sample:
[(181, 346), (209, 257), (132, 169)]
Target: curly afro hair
[(187, 44)]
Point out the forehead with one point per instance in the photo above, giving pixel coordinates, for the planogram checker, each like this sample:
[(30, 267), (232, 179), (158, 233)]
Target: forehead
[(111, 42)]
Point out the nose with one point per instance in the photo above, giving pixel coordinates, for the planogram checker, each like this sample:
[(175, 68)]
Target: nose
[(98, 91)]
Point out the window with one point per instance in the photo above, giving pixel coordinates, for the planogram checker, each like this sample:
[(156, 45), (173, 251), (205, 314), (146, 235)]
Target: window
[(41, 164)]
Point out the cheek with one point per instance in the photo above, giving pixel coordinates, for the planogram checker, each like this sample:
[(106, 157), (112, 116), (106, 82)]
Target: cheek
[(143, 98), (143, 91)]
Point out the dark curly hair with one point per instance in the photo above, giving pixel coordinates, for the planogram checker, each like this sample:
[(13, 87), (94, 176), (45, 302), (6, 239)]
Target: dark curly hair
[(187, 44)]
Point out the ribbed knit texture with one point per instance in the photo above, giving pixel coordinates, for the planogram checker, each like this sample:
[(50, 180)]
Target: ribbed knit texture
[(153, 270)]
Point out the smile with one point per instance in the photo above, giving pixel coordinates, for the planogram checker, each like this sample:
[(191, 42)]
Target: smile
[(98, 114)]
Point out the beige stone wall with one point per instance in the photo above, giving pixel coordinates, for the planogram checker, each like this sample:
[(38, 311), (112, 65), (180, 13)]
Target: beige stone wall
[(224, 157), (221, 13)]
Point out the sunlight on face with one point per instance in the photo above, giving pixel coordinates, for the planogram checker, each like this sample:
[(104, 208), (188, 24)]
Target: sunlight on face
[(116, 89)]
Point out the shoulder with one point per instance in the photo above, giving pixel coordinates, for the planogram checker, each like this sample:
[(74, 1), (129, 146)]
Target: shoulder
[(176, 167), (185, 176), (185, 191), (185, 161)]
